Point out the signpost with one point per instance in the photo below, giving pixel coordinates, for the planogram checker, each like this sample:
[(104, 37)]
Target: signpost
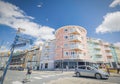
[(14, 45)]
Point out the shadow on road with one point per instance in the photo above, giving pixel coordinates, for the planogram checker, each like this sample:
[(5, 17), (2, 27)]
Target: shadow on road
[(88, 77)]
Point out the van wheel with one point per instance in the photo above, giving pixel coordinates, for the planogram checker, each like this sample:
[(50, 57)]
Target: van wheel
[(98, 76), (78, 74)]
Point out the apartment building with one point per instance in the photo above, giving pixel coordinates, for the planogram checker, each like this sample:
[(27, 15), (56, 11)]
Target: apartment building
[(47, 55), (103, 52), (71, 47), (117, 49), (95, 50)]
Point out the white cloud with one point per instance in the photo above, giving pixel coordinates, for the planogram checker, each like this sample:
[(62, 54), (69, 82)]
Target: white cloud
[(115, 3), (14, 17), (39, 5), (111, 23), (117, 44)]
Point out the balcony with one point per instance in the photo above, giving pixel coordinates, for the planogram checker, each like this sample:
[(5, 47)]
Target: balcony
[(77, 56), (99, 60), (75, 31), (96, 41), (75, 38), (97, 47), (106, 44), (107, 49), (109, 55), (98, 53), (77, 47)]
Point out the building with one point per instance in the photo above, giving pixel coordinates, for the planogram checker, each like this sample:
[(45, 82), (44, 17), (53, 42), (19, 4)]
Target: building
[(4, 55), (27, 58), (47, 55), (100, 51), (71, 47), (117, 49)]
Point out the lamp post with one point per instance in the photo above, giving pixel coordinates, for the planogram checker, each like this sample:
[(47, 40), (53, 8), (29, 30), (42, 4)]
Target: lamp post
[(62, 60)]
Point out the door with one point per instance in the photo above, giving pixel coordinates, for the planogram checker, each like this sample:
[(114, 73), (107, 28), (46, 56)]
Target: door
[(90, 71)]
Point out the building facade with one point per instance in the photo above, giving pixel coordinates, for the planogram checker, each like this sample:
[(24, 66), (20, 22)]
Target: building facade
[(71, 47), (100, 51), (4, 56), (117, 49), (47, 55)]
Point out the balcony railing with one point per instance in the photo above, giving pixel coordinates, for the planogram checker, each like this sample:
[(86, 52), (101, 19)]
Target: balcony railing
[(109, 54), (77, 56), (98, 53), (77, 47), (75, 31), (107, 49), (106, 44), (99, 60), (75, 38), (97, 47), (96, 41)]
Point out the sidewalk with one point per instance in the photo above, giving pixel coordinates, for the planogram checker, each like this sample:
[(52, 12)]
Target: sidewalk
[(114, 75)]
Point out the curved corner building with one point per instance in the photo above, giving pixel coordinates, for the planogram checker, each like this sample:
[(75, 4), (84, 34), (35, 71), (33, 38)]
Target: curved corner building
[(71, 45)]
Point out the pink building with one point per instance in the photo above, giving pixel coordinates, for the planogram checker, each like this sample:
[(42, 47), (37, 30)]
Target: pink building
[(71, 47)]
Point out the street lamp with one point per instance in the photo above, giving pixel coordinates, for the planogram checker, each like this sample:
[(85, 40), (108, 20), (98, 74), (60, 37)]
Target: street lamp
[(62, 59)]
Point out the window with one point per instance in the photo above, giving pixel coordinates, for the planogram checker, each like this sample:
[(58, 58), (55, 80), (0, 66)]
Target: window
[(82, 67), (66, 53), (65, 45), (72, 53), (88, 68), (66, 30), (46, 65), (71, 36), (66, 37)]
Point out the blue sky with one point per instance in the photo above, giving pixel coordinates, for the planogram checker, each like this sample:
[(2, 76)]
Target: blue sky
[(40, 18)]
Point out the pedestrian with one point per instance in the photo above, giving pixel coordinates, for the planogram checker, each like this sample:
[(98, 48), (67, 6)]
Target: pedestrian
[(107, 68), (118, 68), (29, 72), (66, 67)]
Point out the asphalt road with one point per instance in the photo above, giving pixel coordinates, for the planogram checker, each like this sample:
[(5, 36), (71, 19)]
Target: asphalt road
[(47, 77)]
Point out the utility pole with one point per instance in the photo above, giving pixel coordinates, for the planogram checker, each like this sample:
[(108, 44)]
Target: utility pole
[(10, 58), (13, 46)]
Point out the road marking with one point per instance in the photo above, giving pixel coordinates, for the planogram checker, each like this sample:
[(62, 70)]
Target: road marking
[(44, 76), (37, 77), (16, 82)]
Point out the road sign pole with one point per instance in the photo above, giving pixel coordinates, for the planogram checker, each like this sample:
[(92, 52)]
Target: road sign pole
[(14, 45), (8, 63)]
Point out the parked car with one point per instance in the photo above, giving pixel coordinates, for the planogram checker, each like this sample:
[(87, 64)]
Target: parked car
[(20, 68), (91, 72), (2, 68)]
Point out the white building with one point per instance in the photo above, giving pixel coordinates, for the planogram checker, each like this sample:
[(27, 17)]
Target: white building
[(47, 55)]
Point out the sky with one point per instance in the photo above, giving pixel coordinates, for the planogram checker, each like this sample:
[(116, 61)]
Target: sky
[(41, 18)]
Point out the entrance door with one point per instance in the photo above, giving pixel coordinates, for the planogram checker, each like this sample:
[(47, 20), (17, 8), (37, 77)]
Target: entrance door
[(46, 65)]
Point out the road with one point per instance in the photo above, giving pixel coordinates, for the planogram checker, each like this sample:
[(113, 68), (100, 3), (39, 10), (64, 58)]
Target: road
[(55, 77)]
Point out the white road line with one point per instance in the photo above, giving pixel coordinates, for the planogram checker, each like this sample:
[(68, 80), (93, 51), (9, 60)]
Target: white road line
[(16, 82), (44, 76), (37, 77), (59, 74)]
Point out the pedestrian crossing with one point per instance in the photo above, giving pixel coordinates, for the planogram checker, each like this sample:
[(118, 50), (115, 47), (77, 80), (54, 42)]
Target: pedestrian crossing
[(45, 76), (38, 77)]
